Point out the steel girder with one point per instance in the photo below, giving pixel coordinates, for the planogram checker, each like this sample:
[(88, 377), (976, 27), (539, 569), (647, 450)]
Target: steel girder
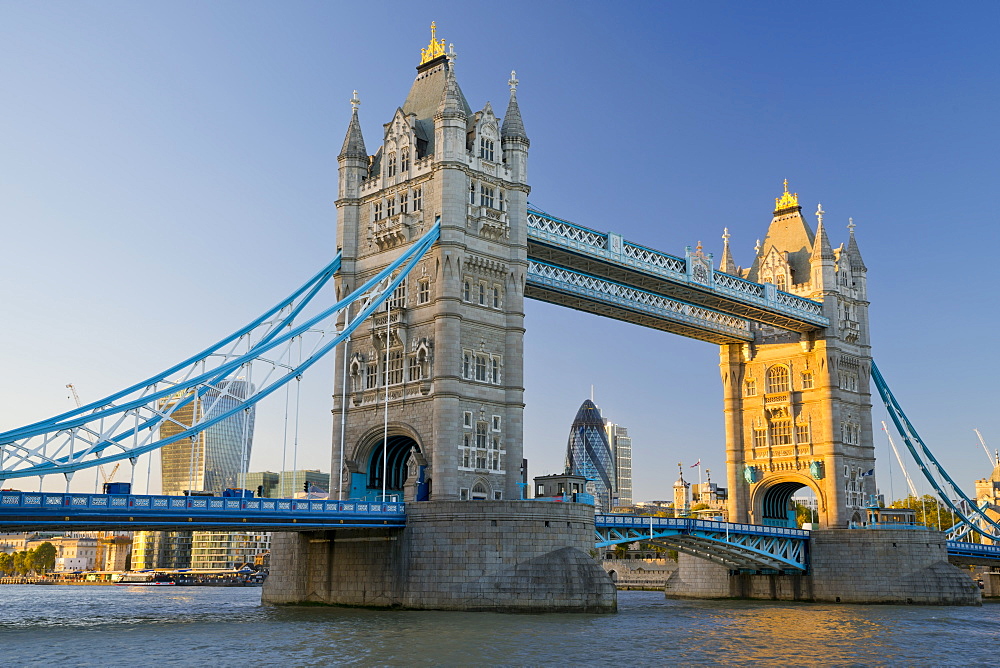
[(736, 546), (563, 244), (584, 292), (227, 378)]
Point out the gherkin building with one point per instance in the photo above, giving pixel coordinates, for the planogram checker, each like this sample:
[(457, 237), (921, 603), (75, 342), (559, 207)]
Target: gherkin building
[(588, 454)]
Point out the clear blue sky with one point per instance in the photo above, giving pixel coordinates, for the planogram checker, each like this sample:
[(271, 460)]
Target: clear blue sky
[(168, 171)]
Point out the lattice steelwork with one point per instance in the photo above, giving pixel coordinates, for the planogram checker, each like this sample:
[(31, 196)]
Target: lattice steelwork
[(603, 255), (597, 295), (268, 353), (736, 546)]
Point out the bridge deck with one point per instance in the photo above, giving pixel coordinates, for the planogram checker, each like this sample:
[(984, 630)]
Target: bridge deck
[(31, 511)]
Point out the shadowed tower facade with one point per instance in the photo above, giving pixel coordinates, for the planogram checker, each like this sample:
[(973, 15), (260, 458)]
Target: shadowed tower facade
[(448, 346), (798, 406)]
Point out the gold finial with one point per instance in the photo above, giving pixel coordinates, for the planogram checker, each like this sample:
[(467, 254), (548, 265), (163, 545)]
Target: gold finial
[(434, 49), (725, 235), (787, 200)]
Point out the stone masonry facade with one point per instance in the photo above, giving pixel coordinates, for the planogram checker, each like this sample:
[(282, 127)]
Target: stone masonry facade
[(456, 325), (798, 406), (501, 556)]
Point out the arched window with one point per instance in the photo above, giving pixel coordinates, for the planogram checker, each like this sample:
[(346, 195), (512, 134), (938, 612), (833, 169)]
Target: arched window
[(404, 160), (496, 297), (482, 295), (467, 292), (777, 379), (479, 491), (390, 169), (779, 282)]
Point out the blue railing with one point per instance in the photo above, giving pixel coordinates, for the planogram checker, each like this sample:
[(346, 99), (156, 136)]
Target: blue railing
[(46, 509), (642, 521), (963, 548)]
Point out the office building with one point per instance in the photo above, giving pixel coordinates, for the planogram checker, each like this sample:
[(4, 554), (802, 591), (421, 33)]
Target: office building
[(588, 454), (621, 453)]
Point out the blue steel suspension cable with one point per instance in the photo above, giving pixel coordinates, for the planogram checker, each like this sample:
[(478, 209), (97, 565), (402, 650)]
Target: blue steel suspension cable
[(409, 258), (906, 429)]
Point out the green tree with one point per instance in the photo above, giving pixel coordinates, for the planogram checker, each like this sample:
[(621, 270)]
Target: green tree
[(44, 558), (930, 512), (6, 563), (21, 565), (804, 514)]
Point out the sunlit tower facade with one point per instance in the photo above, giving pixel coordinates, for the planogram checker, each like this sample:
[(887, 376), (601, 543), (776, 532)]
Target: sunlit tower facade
[(588, 454)]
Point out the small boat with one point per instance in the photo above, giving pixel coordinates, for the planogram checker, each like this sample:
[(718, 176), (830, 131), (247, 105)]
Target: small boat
[(140, 579)]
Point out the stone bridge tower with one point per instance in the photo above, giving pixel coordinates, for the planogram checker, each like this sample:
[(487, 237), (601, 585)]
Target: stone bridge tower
[(798, 406), (456, 326)]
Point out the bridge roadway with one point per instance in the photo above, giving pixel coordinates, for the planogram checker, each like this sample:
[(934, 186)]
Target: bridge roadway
[(31, 511), (737, 546)]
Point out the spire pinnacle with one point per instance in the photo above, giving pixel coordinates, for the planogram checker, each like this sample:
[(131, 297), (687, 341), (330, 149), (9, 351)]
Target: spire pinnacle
[(434, 49), (853, 252), (355, 101), (851, 226), (354, 142), (512, 126), (786, 201), (819, 213), (726, 265)]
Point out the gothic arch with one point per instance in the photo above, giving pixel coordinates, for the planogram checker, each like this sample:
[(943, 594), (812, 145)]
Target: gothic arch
[(371, 441), (768, 498)]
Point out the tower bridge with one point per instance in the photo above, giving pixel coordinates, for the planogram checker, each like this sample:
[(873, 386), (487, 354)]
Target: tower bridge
[(437, 248)]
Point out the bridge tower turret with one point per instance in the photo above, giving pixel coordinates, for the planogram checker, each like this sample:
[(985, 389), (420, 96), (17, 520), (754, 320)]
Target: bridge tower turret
[(452, 357), (798, 406)]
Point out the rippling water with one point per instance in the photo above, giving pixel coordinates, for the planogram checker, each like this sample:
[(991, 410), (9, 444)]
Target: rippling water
[(183, 626)]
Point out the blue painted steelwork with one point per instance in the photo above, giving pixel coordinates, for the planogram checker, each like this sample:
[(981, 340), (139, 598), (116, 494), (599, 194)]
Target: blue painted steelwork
[(625, 303), (125, 424), (960, 548), (564, 244), (974, 520), (736, 546), (33, 511)]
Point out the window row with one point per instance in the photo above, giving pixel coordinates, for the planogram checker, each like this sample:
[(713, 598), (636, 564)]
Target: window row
[(399, 295), (482, 293), (478, 493), (780, 432), (849, 381), (494, 423), (778, 380), (482, 367), (404, 202), (850, 433), (381, 371), (486, 195), (403, 163)]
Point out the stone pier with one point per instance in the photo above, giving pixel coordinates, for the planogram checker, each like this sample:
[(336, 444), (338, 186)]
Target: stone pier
[(500, 556), (846, 566)]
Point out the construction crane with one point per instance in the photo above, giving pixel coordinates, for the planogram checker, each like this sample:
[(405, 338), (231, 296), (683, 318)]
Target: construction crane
[(105, 478)]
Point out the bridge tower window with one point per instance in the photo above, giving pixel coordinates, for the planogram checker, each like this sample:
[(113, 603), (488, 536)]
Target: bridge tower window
[(390, 169), (779, 282), (482, 294), (481, 367), (423, 291), (418, 199), (496, 296), (781, 432), (390, 208), (404, 159), (486, 148), (404, 201), (759, 438), (486, 196), (377, 208), (414, 369), (750, 387), (479, 491), (777, 379), (467, 291), (394, 369), (495, 371), (371, 375), (467, 365), (807, 380), (472, 192), (802, 432)]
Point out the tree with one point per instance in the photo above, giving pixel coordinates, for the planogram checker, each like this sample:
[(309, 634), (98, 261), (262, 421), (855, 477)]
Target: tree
[(21, 566), (6, 563), (44, 558), (804, 514), (929, 510)]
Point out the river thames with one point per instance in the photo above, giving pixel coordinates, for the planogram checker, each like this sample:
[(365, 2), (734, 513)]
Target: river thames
[(185, 626)]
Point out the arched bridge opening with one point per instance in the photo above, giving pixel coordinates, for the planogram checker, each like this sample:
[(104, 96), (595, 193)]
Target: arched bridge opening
[(389, 468)]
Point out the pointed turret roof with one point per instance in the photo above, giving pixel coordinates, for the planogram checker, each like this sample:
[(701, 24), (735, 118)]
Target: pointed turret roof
[(789, 233), (853, 252), (354, 141), (727, 265), (513, 126), (822, 249), (452, 100)]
